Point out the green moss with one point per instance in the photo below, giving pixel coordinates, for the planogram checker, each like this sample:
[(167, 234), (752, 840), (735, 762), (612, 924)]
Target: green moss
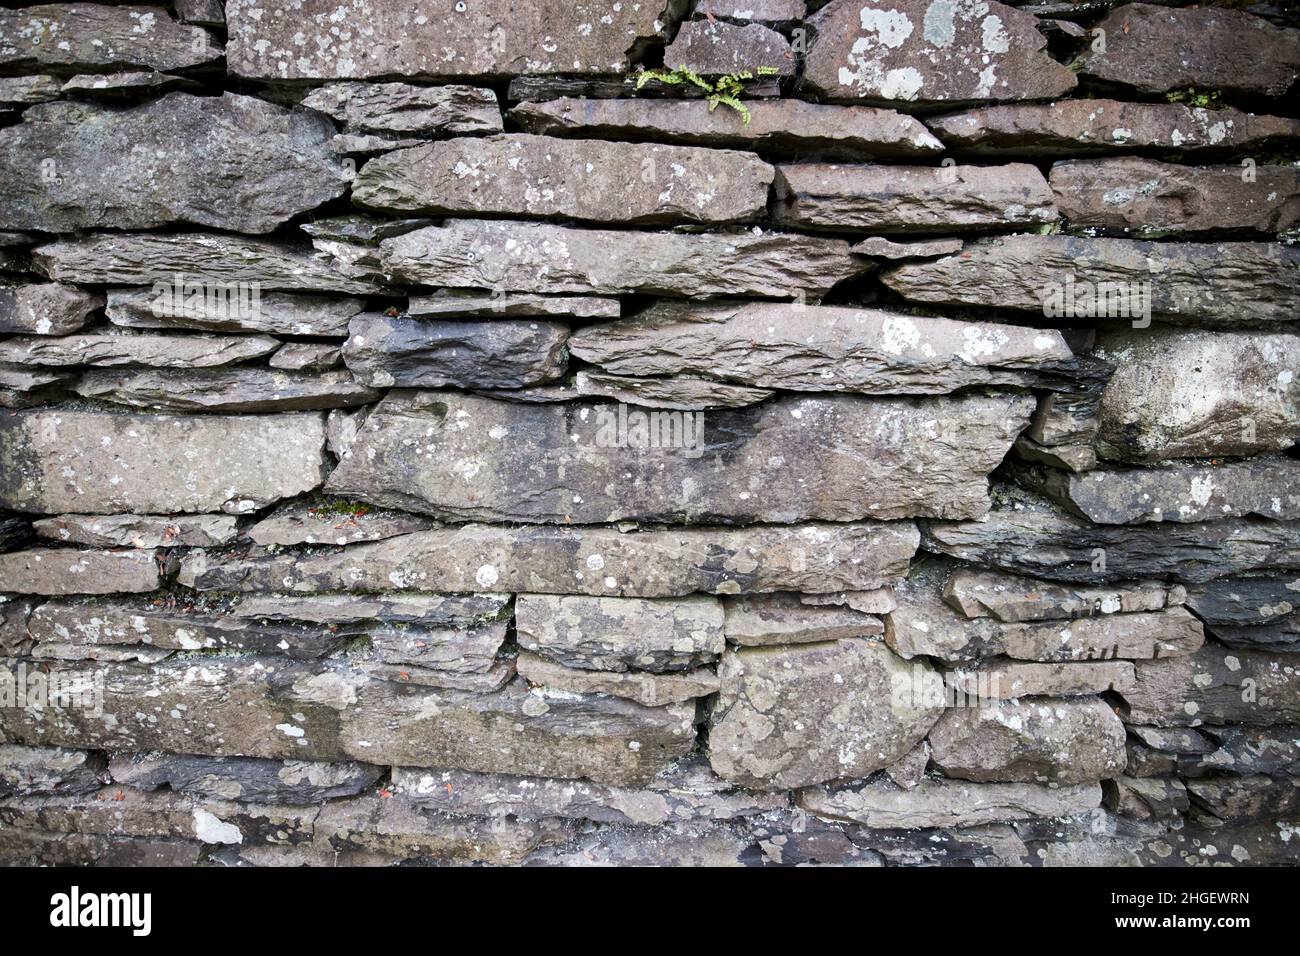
[(1205, 99), (725, 90), (340, 507)]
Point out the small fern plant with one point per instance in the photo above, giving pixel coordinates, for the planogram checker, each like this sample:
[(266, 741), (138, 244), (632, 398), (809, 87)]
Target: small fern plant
[(725, 90)]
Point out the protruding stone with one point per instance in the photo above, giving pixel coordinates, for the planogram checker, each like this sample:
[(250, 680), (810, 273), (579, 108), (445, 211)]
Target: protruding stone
[(117, 87), (178, 351), (276, 313), (715, 47), (1000, 678), (140, 531), (45, 308), (1217, 685), (676, 391), (95, 37), (764, 619), (649, 690), (31, 771), (229, 162), (27, 90), (54, 571), (336, 524), (1260, 613), (298, 783), (800, 715), (920, 52), (455, 303), (106, 463), (225, 389), (881, 248), (1009, 597), (621, 634), (306, 357), (766, 11), (403, 108)]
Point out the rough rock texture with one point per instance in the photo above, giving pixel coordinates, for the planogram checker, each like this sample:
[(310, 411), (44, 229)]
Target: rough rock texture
[(230, 162), (69, 571), (796, 716), (760, 620), (46, 308), (407, 109), (1217, 685), (716, 47), (921, 52), (139, 531), (275, 313), (650, 690), (467, 303), (225, 390), (185, 351), (418, 450)]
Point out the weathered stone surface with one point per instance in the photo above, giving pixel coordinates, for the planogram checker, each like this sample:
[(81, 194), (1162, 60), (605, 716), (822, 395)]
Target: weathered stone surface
[(688, 791), (26, 90), (876, 601), (14, 612), (450, 303), (1060, 742), (1167, 633), (415, 353), (621, 634), (346, 610), (715, 47), (820, 348), (649, 690), (1004, 679), (800, 715), (908, 771), (306, 356), (327, 524), (312, 711), (143, 259), (947, 803), (107, 463), (1026, 535), (901, 199), (1192, 394), (1146, 197), (882, 459), (769, 11), (1268, 487), (229, 162), (1069, 457), (297, 783), (1219, 284), (30, 771), (1217, 685), (882, 248), (599, 561), (1156, 49), (1009, 597), (124, 86), (72, 571), (184, 351), (1237, 800), (1263, 613), (521, 174), (225, 389), (782, 126), (1083, 126), (95, 37), (1143, 798), (207, 12), (921, 52), (1247, 750), (537, 257), (273, 312), (26, 387), (392, 39), (1063, 418), (45, 308), (759, 620), (403, 108), (139, 531), (676, 391)]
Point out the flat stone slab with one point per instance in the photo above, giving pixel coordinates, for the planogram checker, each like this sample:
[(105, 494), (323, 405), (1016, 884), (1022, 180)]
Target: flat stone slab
[(920, 51), (521, 174), (391, 39), (45, 308), (29, 771), (1009, 680), (106, 463), (649, 690), (1211, 284), (183, 351), (225, 389), (599, 561), (453, 303), (55, 571), (760, 620), (685, 392), (820, 348), (291, 782), (902, 199), (781, 126), (98, 38), (332, 524), (715, 47), (229, 162), (1195, 394), (858, 458), (403, 108), (139, 531), (1010, 597), (275, 313), (882, 248), (537, 257), (1218, 685)]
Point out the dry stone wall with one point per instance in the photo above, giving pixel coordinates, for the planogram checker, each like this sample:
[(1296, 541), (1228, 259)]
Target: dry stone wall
[(653, 432)]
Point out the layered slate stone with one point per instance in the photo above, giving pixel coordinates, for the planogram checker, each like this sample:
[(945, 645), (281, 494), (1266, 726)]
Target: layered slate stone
[(306, 357), (139, 531), (184, 306), (820, 348), (1080, 127), (1034, 741), (536, 257), (28, 771), (1191, 394), (922, 51), (521, 174), (91, 462), (1009, 597), (1268, 487), (882, 248), (1154, 49), (887, 458), (937, 802), (768, 11), (229, 162), (474, 303), (1146, 197), (647, 689), (801, 715), (54, 571), (1211, 284), (178, 351), (26, 90), (764, 619), (677, 391), (783, 126), (1218, 685), (1005, 679), (1026, 535), (225, 389), (715, 47), (601, 561), (403, 108), (46, 308), (143, 259), (332, 524), (901, 199), (621, 634), (391, 39), (1261, 613), (291, 782), (121, 87), (412, 353), (100, 38)]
